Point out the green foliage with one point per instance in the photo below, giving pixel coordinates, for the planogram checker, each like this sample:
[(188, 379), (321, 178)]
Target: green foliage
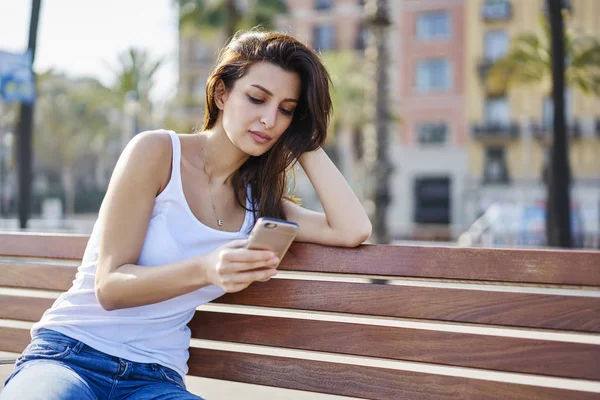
[(135, 71), (209, 16), (348, 90), (529, 61)]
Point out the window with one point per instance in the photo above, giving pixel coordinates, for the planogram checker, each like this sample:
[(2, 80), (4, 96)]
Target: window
[(324, 37), (495, 170), (432, 133), (497, 111), (433, 25), (496, 45), (433, 74), (432, 200), (322, 4), (496, 10)]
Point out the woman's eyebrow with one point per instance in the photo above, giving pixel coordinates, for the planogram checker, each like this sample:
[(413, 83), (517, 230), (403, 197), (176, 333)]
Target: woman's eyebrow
[(271, 94)]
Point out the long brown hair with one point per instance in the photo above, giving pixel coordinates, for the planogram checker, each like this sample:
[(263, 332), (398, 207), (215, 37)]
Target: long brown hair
[(266, 175)]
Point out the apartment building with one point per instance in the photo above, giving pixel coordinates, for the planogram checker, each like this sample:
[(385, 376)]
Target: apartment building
[(429, 153), (511, 131)]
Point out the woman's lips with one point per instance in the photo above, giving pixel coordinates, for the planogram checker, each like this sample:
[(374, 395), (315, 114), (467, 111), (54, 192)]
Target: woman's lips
[(259, 137)]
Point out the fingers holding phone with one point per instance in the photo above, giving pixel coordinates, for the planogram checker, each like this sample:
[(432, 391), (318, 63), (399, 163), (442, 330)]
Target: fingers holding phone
[(236, 267)]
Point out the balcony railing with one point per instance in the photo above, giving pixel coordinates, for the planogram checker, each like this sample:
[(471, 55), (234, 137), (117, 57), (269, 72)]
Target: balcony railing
[(496, 130), (542, 130), (496, 10)]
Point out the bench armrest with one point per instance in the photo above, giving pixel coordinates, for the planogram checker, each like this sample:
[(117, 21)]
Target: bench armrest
[(7, 361)]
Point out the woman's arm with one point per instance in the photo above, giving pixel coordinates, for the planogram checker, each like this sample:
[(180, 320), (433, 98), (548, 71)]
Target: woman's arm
[(140, 174), (345, 222)]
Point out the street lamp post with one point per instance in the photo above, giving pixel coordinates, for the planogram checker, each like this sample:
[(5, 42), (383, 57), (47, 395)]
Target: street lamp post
[(6, 141)]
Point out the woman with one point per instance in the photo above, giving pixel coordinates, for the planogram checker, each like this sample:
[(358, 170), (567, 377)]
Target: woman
[(170, 232)]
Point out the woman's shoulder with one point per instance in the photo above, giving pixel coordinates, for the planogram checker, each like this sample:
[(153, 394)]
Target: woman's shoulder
[(149, 153), (156, 142)]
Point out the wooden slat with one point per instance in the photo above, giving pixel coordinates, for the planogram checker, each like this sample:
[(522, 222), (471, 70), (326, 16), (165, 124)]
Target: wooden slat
[(43, 245), (36, 276), (506, 265), (14, 340), (573, 360), (23, 308), (457, 305), (432, 303), (360, 381)]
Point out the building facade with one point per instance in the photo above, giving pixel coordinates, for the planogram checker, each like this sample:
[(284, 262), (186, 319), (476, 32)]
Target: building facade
[(459, 146), (429, 152), (511, 131)]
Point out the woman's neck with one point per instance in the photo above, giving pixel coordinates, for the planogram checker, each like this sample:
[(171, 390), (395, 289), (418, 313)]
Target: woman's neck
[(219, 156)]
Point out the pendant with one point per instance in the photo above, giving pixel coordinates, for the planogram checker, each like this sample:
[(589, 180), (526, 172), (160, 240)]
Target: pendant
[(220, 222)]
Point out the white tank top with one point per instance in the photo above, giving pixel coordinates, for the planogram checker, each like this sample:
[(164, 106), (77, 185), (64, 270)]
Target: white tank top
[(155, 333)]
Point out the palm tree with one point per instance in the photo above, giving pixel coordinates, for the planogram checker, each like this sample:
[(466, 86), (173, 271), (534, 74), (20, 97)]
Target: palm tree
[(135, 75), (530, 61), (376, 144), (210, 16), (73, 118), (349, 113)]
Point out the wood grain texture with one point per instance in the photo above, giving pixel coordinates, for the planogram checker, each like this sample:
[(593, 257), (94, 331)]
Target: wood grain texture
[(529, 310), (36, 276), (504, 265), (360, 381), (20, 308), (14, 340), (42, 245), (544, 357)]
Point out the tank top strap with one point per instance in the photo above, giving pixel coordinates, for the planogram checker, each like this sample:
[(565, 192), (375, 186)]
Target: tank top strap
[(176, 160)]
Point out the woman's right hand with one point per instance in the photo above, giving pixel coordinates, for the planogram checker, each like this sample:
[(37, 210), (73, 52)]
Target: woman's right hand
[(232, 267)]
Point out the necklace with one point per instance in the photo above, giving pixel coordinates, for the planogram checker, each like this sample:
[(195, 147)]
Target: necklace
[(219, 221)]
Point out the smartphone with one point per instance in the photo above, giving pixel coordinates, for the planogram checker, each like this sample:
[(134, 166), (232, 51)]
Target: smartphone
[(272, 234)]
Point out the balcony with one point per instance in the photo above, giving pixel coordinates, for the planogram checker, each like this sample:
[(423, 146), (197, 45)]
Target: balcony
[(489, 130), (496, 10), (542, 130)]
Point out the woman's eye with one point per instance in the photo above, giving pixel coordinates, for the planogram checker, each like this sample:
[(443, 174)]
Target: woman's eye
[(286, 112), (255, 100)]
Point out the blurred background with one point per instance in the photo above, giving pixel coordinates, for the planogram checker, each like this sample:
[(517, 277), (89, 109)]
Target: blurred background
[(447, 122)]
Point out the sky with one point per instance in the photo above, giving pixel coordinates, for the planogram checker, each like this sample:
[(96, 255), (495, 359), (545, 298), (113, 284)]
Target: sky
[(80, 37)]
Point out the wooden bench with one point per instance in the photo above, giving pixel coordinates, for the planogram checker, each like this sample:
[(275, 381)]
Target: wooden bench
[(449, 323)]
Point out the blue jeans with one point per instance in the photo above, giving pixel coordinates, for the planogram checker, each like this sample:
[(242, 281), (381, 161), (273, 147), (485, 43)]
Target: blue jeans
[(57, 367)]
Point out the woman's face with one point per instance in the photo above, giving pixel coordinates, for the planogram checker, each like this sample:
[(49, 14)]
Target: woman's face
[(260, 107)]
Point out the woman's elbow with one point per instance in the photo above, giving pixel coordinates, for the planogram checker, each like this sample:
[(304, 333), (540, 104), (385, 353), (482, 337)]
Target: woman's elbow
[(103, 296), (359, 236)]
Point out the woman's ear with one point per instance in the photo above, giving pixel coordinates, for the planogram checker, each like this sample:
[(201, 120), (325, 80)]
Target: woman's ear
[(221, 94)]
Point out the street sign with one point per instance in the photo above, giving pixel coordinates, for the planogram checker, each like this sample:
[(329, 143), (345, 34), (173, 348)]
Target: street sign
[(16, 77)]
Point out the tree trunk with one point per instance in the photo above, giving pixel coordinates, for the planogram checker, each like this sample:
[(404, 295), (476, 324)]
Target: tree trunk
[(68, 182), (377, 131), (558, 220), (25, 128), (233, 18)]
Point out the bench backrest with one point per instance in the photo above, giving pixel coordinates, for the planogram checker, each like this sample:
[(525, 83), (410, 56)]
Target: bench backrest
[(378, 322)]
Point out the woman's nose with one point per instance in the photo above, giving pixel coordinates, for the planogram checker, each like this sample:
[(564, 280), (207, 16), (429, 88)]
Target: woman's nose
[(268, 119)]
